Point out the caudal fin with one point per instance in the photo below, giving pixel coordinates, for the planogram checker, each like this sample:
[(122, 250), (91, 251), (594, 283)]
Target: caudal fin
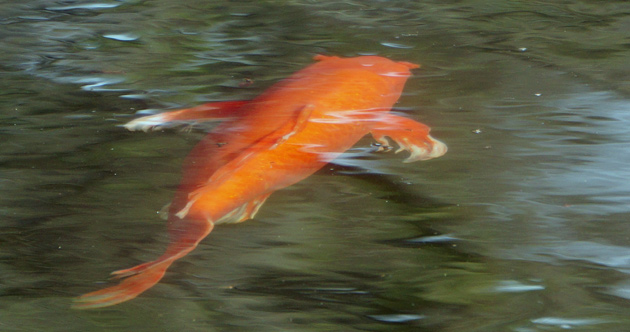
[(128, 289), (185, 235)]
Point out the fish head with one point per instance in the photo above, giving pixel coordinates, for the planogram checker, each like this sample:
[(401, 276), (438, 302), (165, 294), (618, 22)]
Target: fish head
[(394, 72)]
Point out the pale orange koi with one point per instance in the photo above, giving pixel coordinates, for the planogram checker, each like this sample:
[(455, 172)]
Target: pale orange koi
[(271, 142)]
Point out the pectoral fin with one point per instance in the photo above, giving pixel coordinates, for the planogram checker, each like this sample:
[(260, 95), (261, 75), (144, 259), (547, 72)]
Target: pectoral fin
[(409, 135), (210, 111)]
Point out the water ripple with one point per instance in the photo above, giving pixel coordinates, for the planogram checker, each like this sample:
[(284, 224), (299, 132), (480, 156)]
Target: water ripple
[(396, 318), (122, 36), (513, 286), (567, 323), (91, 6)]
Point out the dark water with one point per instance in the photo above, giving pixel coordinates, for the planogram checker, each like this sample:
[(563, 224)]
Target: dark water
[(523, 226)]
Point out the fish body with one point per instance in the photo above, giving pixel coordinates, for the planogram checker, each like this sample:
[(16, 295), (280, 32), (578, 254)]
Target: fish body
[(273, 141)]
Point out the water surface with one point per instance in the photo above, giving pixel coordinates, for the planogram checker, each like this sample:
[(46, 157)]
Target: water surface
[(521, 226)]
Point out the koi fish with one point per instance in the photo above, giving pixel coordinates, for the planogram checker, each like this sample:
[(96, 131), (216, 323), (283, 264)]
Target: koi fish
[(273, 141)]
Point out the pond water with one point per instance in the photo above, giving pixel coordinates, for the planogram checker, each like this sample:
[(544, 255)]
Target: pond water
[(522, 226)]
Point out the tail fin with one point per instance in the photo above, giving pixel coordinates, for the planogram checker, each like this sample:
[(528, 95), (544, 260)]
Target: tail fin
[(185, 235), (128, 289)]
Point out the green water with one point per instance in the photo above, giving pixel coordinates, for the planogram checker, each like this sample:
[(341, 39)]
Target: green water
[(522, 226)]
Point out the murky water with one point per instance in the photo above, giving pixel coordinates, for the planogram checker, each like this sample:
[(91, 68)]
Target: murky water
[(522, 226)]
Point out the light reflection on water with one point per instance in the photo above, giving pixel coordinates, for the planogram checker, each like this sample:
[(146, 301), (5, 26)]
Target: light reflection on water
[(521, 226)]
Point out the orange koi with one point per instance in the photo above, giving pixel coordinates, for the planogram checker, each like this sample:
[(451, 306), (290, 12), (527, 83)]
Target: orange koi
[(273, 141)]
